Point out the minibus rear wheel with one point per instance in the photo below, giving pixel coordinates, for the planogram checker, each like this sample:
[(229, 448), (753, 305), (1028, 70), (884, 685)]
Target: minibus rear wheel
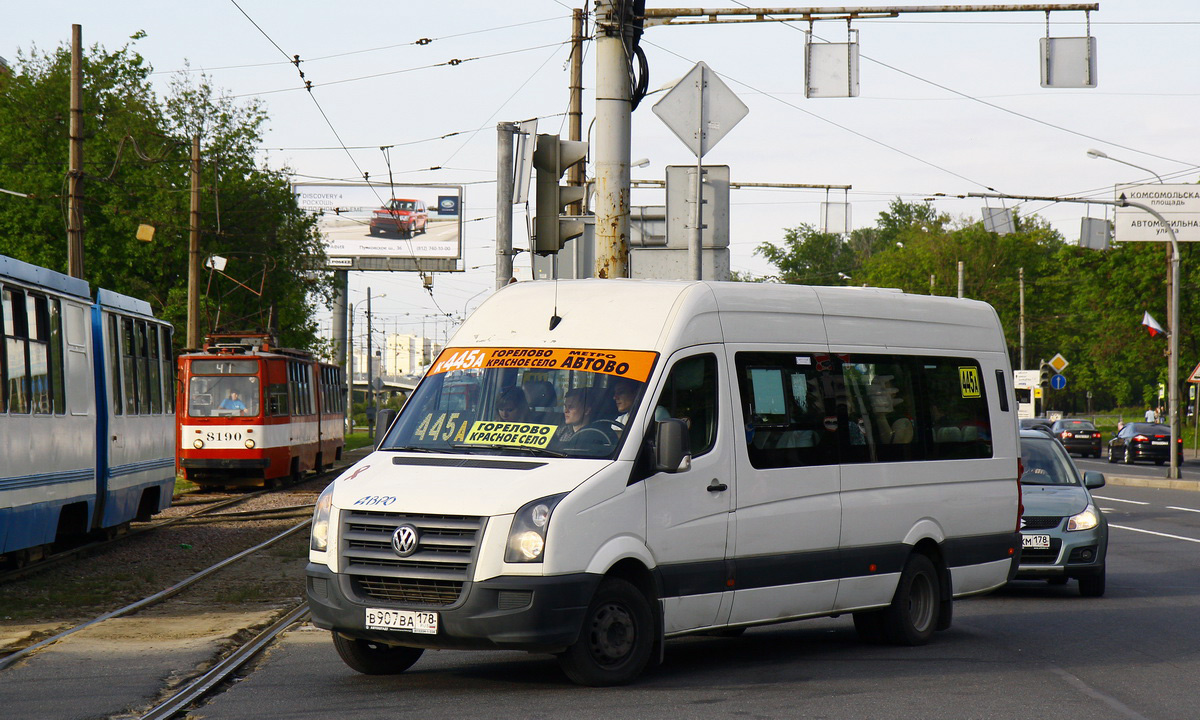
[(913, 615), (375, 658), (617, 636)]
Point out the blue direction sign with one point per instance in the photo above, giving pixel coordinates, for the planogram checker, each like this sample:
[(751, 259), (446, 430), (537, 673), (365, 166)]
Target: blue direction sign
[(1058, 382)]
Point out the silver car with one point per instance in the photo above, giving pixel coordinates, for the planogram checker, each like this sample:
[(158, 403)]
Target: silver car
[(1064, 534)]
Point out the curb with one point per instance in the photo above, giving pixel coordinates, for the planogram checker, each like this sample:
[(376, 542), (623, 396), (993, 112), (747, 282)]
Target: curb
[(1161, 483)]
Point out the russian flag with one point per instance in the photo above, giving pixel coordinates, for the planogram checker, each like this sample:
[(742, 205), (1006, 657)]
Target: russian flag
[(1152, 325)]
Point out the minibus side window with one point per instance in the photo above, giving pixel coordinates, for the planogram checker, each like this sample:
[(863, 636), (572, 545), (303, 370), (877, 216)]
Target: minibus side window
[(789, 422), (690, 393), (880, 409), (958, 425)]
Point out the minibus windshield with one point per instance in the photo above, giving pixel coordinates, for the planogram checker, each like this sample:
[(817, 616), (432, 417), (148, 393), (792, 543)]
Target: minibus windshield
[(524, 401)]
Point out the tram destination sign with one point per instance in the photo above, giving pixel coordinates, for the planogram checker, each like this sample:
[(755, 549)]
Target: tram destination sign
[(1178, 204)]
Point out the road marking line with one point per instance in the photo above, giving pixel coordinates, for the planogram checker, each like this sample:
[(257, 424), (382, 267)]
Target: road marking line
[(1113, 499), (1172, 507), (1151, 532)]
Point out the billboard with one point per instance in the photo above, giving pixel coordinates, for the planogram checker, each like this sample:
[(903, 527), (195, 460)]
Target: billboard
[(387, 227)]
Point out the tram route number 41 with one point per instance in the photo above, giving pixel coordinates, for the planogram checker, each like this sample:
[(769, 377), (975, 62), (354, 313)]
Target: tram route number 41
[(421, 623)]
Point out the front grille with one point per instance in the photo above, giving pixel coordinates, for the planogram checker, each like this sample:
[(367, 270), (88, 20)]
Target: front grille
[(433, 575), (1031, 556), (1038, 522)]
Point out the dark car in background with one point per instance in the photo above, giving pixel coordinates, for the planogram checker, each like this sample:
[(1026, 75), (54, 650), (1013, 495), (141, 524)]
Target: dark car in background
[(1143, 441), (1037, 423), (1078, 436), (1064, 535)]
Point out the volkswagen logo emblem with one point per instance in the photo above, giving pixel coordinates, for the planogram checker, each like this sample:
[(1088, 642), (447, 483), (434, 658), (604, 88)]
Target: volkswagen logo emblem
[(404, 540)]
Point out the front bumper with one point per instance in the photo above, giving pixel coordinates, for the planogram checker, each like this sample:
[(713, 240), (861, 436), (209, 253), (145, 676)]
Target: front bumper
[(540, 614), (1074, 555)]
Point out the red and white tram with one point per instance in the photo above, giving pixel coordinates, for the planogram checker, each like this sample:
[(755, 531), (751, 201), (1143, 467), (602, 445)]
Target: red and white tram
[(249, 414)]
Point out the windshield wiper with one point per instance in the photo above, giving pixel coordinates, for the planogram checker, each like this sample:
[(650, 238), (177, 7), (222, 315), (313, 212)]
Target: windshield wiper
[(411, 448), (536, 452)]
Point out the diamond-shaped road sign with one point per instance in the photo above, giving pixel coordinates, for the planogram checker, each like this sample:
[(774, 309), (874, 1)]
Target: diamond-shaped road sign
[(1058, 362), (700, 109)]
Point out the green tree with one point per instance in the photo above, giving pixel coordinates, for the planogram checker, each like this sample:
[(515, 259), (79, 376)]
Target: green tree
[(137, 171), (1083, 303)]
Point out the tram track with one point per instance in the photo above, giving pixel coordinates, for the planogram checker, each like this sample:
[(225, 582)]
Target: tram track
[(209, 512), (172, 642)]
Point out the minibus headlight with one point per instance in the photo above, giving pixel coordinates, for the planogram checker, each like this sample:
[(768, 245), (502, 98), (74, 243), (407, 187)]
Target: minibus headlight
[(250, 444), (320, 523), (197, 443), (1085, 520), (527, 538)]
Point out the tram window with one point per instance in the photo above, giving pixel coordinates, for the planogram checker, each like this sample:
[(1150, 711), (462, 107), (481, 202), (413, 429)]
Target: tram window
[(142, 366), (57, 377), (128, 366), (168, 372), (114, 366), (15, 341), (39, 354), (277, 399), (156, 389)]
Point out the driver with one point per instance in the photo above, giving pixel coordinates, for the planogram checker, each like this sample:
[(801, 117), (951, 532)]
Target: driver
[(233, 402)]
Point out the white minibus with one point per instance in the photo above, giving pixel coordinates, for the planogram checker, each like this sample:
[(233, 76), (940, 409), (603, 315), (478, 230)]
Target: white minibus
[(592, 467)]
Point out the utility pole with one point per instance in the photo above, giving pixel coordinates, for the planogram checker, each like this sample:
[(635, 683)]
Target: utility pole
[(193, 314), (504, 202), (371, 409), (575, 106), (1021, 325), (612, 142), (960, 279), (75, 159)]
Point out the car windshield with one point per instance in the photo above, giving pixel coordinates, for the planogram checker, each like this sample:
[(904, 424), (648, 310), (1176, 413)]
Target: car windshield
[(1046, 463), (402, 205), (524, 401)]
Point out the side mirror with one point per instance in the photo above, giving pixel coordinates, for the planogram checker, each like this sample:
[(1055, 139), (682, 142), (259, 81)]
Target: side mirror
[(671, 451), (1093, 479)]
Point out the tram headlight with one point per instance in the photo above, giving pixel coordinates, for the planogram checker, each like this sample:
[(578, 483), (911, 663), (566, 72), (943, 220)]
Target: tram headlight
[(197, 443), (320, 523), (527, 537), (250, 444)]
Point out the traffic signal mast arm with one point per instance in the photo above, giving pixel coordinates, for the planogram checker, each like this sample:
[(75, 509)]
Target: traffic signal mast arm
[(698, 16)]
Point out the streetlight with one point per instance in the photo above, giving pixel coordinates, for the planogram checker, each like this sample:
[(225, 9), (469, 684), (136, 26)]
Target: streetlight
[(1098, 155), (1172, 307)]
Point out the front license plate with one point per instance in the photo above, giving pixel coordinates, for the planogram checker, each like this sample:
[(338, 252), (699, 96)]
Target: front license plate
[(422, 623), (1035, 542)]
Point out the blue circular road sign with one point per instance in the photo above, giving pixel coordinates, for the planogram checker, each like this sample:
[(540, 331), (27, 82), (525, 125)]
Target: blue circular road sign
[(1058, 382)]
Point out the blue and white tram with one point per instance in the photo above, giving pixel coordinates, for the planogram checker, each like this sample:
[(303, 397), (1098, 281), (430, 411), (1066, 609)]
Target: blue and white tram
[(86, 409)]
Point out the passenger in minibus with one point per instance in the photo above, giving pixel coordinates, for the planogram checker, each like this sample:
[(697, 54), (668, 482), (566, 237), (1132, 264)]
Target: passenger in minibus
[(511, 405)]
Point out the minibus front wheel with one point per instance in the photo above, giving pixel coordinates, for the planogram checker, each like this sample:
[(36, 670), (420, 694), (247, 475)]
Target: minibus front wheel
[(375, 658), (616, 639)]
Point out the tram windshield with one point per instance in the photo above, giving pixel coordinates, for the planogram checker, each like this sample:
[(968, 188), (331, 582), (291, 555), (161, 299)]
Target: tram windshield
[(223, 388), (524, 401)]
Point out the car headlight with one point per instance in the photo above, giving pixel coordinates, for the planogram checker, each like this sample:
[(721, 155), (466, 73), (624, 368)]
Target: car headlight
[(1085, 520), (527, 537), (320, 522)]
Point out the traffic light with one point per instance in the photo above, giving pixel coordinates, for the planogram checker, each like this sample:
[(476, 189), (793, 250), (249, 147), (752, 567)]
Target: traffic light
[(551, 158), (1045, 375)]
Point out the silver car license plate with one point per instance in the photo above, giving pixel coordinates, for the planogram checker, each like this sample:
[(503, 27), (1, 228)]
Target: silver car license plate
[(1035, 542)]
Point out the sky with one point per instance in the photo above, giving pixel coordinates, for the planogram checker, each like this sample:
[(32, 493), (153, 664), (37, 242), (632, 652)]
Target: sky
[(949, 104)]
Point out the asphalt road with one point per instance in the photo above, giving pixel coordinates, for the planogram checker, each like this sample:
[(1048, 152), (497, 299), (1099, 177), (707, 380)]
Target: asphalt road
[(1028, 651)]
